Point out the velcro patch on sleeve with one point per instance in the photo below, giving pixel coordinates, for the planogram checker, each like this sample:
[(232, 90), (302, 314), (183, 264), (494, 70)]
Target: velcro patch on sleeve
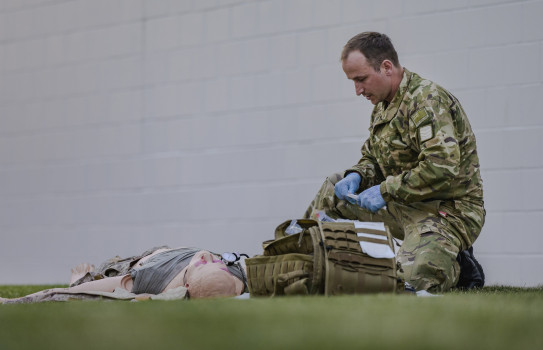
[(420, 117), (426, 133)]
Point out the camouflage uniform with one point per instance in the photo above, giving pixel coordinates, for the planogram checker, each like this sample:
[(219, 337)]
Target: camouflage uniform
[(422, 152)]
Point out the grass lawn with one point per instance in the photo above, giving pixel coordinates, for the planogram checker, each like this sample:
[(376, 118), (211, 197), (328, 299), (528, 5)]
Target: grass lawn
[(492, 318)]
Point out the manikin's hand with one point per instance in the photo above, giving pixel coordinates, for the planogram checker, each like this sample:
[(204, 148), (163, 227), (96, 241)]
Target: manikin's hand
[(348, 185), (371, 199)]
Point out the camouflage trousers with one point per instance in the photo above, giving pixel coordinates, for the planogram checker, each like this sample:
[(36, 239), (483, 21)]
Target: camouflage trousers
[(433, 233)]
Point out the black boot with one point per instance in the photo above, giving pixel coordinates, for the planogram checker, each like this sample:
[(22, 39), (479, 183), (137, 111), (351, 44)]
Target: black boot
[(471, 272)]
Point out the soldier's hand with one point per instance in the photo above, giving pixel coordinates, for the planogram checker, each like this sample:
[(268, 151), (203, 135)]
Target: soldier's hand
[(349, 184), (371, 199)]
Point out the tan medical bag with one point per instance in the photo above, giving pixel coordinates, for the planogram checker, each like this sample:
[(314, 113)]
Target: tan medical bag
[(329, 258)]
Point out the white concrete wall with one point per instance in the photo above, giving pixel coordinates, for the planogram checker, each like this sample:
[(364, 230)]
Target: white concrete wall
[(131, 123)]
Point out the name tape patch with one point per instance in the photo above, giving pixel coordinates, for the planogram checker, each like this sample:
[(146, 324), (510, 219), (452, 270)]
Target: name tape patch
[(426, 133)]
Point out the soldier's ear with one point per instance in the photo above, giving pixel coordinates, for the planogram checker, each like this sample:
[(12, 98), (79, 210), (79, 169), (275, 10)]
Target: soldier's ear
[(386, 67)]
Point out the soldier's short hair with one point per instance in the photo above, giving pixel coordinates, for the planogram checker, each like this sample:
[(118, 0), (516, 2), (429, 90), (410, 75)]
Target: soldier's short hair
[(376, 47)]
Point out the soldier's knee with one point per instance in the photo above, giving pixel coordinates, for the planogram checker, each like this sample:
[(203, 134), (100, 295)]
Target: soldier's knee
[(335, 178), (429, 262), (433, 277)]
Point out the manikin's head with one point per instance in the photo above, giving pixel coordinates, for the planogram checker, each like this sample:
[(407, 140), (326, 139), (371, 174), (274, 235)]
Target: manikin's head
[(208, 277)]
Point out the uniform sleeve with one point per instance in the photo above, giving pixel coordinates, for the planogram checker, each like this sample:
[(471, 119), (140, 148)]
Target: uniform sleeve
[(432, 130), (367, 168)]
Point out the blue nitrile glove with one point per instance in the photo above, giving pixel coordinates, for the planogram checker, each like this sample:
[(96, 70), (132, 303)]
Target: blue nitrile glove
[(349, 184), (371, 199)]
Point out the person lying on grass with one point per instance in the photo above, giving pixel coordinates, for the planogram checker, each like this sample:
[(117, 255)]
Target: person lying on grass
[(194, 272)]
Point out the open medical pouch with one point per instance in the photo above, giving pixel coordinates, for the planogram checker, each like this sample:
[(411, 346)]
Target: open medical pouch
[(329, 258)]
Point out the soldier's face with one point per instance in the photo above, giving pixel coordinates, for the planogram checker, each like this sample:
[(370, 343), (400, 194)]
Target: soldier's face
[(375, 86)]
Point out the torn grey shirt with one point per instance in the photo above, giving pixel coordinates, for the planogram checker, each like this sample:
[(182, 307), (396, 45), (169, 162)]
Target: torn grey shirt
[(157, 272)]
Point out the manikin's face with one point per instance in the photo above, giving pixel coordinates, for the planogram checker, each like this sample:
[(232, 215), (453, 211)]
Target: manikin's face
[(208, 276), (376, 86), (205, 260)]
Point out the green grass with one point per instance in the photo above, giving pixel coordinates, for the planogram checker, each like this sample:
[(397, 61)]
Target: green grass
[(492, 318)]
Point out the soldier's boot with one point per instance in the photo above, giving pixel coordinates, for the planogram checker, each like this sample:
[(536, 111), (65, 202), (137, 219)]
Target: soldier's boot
[(471, 272)]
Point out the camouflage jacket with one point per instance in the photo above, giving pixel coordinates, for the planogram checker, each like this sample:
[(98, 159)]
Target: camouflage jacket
[(421, 147)]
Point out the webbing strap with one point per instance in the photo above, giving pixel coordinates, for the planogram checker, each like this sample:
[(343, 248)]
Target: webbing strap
[(327, 275), (346, 257), (291, 283), (297, 288), (317, 285)]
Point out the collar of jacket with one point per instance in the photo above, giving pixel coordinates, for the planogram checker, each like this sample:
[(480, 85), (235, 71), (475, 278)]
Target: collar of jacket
[(384, 115)]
